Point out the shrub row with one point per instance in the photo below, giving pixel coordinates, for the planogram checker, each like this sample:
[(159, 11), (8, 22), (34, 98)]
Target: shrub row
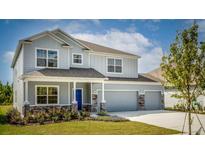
[(110, 119), (196, 107), (45, 116)]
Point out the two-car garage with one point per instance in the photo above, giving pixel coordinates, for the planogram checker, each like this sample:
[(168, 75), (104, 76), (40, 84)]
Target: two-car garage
[(129, 101)]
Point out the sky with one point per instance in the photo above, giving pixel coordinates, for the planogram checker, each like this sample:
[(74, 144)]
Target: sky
[(149, 39)]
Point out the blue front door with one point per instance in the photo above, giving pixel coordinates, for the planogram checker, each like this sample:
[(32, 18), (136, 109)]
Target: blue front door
[(79, 98)]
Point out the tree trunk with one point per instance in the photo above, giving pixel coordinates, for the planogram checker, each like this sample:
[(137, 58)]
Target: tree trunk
[(189, 117)]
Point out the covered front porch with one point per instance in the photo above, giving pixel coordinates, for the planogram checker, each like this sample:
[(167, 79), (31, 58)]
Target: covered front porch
[(75, 93)]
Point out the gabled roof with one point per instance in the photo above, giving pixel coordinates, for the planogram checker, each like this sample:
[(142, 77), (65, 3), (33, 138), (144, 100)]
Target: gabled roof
[(69, 36), (84, 44), (156, 74), (104, 49), (30, 39), (93, 46)]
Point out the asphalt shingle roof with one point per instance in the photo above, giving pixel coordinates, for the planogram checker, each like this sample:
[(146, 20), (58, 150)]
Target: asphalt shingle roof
[(72, 72), (84, 73), (104, 49), (140, 78)]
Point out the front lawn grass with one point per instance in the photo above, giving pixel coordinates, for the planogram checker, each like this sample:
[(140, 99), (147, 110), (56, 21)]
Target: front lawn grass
[(84, 128)]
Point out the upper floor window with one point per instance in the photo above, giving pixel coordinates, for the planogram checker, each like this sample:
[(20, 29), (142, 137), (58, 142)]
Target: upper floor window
[(77, 58), (46, 58), (114, 65)]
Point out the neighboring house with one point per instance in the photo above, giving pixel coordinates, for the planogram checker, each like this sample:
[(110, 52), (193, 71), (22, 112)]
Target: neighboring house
[(170, 101), (54, 69)]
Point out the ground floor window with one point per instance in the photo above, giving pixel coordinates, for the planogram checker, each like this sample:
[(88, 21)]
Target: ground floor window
[(47, 94)]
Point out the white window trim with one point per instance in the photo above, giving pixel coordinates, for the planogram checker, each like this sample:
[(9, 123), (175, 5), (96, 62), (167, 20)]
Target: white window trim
[(73, 59), (114, 66), (46, 58), (56, 86)]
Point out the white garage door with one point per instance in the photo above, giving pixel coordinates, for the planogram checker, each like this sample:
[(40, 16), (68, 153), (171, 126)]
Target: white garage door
[(120, 100), (153, 100)]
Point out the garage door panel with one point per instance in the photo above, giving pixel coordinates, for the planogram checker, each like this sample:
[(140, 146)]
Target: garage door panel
[(120, 100), (153, 100)]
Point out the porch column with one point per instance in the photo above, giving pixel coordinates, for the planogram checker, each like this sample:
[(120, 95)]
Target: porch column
[(74, 102), (26, 106), (26, 92), (103, 102), (103, 92), (91, 93)]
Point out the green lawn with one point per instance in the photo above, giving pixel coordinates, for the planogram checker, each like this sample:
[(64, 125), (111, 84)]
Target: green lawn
[(84, 128)]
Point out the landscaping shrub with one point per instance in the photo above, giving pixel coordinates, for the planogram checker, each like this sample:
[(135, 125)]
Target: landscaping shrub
[(180, 107), (102, 113), (66, 116), (45, 116), (74, 115), (84, 114), (110, 118), (196, 107), (14, 117)]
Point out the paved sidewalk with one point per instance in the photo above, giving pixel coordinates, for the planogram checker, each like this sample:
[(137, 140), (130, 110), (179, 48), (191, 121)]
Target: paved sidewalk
[(163, 118)]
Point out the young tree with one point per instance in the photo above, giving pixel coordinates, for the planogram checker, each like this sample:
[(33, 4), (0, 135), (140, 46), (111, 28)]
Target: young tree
[(184, 67)]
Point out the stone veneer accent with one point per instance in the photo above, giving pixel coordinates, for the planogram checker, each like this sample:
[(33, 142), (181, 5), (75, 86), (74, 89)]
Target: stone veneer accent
[(141, 101), (94, 107), (87, 107), (27, 108), (162, 100), (74, 107), (102, 107)]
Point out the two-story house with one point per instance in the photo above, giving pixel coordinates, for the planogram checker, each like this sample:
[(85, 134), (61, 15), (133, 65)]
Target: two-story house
[(54, 69)]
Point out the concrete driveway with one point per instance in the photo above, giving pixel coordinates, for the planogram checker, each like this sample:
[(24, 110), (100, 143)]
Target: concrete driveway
[(163, 118)]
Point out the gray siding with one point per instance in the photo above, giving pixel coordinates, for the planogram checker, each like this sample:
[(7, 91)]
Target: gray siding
[(44, 42), (130, 66), (75, 48), (85, 54), (98, 62), (18, 88), (86, 92), (63, 91)]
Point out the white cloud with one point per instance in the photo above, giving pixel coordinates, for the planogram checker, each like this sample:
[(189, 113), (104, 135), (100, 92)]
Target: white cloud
[(132, 42), (74, 26), (8, 56)]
